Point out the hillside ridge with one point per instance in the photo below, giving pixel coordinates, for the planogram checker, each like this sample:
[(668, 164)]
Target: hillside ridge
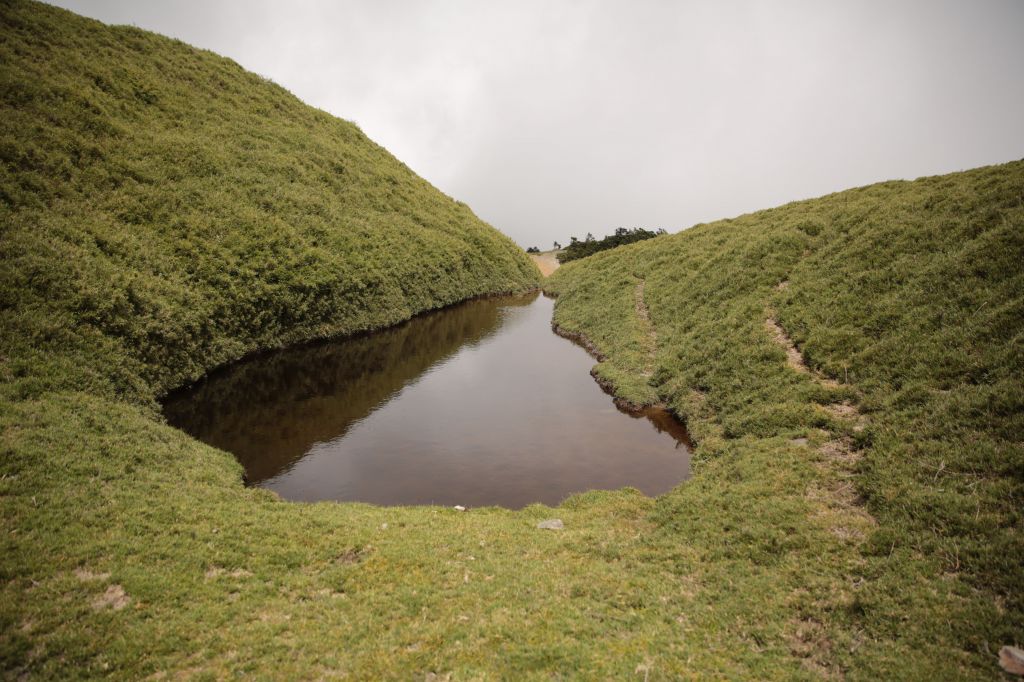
[(864, 348), (165, 205)]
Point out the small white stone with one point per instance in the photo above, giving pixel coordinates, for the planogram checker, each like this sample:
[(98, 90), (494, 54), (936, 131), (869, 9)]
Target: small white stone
[(1012, 660), (459, 507), (551, 524)]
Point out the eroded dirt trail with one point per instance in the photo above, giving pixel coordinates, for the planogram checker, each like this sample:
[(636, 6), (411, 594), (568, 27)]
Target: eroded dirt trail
[(833, 496), (845, 511), (650, 335)]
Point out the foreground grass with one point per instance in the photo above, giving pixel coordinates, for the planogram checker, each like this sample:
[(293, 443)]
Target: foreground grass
[(165, 212), (897, 427)]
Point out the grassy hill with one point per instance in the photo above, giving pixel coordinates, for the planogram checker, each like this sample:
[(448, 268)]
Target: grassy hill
[(853, 370), (163, 212)]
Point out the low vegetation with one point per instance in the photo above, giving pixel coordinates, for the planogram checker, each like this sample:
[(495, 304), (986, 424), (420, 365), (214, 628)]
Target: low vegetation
[(622, 236), (164, 212), (850, 367)]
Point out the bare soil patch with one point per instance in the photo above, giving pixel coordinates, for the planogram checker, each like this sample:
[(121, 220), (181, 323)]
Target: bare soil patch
[(546, 261), (114, 598)]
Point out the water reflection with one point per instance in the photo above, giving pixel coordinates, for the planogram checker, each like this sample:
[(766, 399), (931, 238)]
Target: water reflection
[(476, 404)]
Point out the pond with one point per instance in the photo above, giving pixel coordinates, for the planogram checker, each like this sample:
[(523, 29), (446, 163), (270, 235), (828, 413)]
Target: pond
[(477, 404)]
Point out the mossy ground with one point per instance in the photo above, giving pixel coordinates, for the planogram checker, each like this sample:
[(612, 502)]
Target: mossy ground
[(143, 245)]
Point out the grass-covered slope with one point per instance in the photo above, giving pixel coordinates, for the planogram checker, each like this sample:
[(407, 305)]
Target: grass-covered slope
[(165, 211), (852, 368)]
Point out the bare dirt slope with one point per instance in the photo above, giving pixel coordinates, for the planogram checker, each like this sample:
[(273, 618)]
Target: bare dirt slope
[(546, 261)]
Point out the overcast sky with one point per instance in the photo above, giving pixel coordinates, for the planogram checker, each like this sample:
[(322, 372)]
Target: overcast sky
[(553, 119)]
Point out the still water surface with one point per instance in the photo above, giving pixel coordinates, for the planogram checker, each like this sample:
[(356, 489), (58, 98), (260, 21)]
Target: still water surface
[(478, 404)]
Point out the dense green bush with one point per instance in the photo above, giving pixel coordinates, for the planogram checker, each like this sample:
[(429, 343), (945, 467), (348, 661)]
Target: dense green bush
[(589, 246)]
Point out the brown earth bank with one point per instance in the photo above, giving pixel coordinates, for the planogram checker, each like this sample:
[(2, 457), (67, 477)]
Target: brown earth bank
[(546, 261)]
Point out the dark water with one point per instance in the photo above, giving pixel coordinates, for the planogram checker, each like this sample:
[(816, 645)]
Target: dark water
[(478, 404)]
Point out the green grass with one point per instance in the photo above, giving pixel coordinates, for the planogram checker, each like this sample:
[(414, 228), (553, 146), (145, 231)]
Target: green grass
[(164, 212), (910, 297)]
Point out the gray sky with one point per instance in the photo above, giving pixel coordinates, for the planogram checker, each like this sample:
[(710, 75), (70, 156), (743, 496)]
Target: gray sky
[(554, 118)]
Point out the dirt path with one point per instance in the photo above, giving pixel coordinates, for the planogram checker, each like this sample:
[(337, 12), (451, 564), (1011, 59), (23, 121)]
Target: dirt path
[(546, 261), (650, 336), (848, 517), (833, 497)]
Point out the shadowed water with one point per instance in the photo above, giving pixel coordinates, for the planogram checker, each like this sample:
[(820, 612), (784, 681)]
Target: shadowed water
[(477, 404)]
